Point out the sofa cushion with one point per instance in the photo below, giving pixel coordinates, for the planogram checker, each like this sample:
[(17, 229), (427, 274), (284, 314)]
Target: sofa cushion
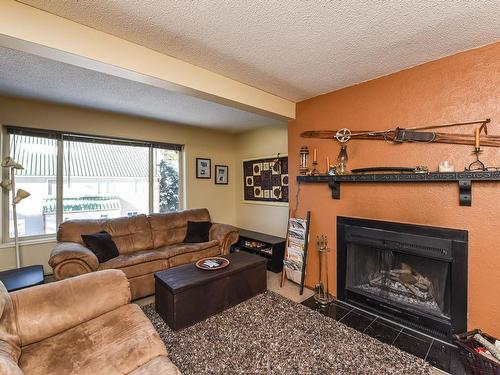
[(140, 269), (149, 261), (193, 256), (197, 231), (169, 229), (137, 258), (159, 365), (102, 245), (10, 343), (129, 233), (183, 248), (113, 343)]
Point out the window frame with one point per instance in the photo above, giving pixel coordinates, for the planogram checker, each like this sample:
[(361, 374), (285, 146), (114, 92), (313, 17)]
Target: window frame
[(67, 136)]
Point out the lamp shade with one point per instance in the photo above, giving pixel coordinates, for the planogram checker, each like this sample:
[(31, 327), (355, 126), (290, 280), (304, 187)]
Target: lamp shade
[(20, 195), (8, 162), (6, 184)]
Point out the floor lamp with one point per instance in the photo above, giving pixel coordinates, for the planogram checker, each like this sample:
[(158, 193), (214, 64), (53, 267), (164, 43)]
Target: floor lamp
[(10, 185)]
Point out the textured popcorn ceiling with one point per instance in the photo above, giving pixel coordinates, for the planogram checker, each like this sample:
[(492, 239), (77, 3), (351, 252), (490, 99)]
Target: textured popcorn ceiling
[(35, 77), (293, 48)]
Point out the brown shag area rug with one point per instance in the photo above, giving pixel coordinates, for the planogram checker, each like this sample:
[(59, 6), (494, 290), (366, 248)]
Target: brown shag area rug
[(270, 334)]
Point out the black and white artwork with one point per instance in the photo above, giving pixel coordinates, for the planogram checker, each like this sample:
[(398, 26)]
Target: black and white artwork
[(221, 174), (203, 168)]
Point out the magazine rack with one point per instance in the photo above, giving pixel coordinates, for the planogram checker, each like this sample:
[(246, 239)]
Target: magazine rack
[(297, 240)]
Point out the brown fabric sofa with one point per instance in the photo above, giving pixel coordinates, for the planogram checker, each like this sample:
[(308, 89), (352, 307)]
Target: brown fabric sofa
[(81, 326), (146, 244)]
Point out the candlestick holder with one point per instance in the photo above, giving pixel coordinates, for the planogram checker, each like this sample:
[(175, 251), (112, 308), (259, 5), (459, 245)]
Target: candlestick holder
[(315, 171)]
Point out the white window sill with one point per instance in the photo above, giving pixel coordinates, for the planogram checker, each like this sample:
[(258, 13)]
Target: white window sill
[(22, 242)]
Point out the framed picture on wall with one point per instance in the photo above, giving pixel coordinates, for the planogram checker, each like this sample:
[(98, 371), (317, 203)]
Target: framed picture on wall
[(221, 174), (266, 180), (203, 168)]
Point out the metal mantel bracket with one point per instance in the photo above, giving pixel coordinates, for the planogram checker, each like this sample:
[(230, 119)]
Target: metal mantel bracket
[(335, 186), (464, 186), (465, 190)]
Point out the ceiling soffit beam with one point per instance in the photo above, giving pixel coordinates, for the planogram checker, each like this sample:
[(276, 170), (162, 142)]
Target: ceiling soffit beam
[(41, 33)]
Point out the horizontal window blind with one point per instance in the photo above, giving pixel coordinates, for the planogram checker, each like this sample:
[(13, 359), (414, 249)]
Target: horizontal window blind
[(77, 137)]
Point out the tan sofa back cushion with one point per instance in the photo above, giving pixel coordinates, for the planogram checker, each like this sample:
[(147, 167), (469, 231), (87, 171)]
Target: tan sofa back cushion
[(10, 343), (170, 229), (129, 233), (52, 308)]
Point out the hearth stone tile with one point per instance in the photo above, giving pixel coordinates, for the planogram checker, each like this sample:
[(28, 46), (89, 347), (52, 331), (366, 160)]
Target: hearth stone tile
[(413, 345), (382, 331), (334, 310), (391, 324), (311, 303), (416, 334), (440, 355), (358, 320)]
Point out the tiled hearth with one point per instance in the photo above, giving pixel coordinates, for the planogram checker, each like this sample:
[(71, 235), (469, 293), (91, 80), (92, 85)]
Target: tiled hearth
[(437, 353)]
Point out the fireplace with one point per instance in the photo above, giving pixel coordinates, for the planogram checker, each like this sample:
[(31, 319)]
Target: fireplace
[(413, 274)]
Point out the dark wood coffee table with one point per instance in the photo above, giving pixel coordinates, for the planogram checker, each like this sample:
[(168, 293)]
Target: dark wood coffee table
[(186, 295)]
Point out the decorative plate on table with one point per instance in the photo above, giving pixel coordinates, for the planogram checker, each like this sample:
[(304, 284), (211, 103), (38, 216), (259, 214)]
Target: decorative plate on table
[(212, 263)]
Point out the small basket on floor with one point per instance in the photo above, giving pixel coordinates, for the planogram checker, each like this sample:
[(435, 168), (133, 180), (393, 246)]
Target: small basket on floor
[(475, 363)]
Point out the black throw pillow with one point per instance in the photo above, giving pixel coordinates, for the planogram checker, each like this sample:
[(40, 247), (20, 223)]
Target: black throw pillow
[(197, 231), (102, 245)]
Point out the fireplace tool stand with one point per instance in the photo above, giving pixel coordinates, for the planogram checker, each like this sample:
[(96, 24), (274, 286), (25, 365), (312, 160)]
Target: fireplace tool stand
[(322, 295)]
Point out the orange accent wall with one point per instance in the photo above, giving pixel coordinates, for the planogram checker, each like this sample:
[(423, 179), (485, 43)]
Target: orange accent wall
[(461, 87)]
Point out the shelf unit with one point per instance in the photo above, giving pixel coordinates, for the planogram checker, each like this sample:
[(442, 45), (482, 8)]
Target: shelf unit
[(463, 179), (276, 246)]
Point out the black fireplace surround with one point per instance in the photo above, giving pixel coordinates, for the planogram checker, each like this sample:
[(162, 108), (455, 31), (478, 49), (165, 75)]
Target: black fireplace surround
[(413, 274)]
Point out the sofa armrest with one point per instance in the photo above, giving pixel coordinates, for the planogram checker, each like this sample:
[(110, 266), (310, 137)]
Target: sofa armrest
[(225, 234), (46, 310), (69, 259)]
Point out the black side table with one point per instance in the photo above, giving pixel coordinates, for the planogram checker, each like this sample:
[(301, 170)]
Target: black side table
[(272, 247), (21, 278)]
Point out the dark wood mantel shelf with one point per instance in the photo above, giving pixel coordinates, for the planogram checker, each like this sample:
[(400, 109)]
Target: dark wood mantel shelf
[(464, 180)]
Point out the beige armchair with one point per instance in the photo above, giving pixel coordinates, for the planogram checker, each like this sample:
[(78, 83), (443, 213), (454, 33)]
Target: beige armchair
[(80, 326)]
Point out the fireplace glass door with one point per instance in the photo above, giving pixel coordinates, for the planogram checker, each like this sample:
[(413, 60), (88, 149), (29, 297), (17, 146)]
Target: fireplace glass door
[(404, 280)]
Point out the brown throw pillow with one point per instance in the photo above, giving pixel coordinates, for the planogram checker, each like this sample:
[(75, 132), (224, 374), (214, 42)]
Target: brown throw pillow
[(102, 245), (197, 231)]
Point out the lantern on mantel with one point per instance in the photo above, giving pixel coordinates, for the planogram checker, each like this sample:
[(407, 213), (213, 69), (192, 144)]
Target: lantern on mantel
[(342, 160), (304, 156)]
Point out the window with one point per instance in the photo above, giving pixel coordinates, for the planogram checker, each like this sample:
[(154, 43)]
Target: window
[(104, 179), (166, 181), (35, 215), (80, 177)]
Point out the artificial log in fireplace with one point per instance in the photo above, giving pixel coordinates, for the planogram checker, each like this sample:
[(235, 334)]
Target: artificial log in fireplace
[(413, 274)]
